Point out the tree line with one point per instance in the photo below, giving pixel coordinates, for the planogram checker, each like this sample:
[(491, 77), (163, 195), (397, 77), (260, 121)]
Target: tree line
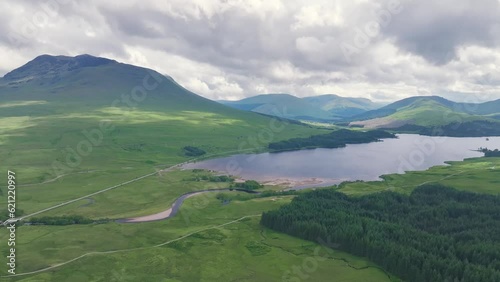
[(192, 151), (247, 185), (476, 128), (490, 153), (213, 178), (64, 220), (335, 139), (434, 234)]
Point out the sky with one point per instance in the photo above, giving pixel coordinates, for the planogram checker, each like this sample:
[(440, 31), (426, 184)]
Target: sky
[(383, 50)]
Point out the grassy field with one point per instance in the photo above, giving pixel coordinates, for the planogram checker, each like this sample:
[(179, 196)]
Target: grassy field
[(480, 175), (145, 141), (141, 142), (139, 138), (241, 250)]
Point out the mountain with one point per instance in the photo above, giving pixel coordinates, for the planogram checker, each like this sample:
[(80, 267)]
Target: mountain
[(327, 107), (427, 111), (96, 81), (282, 105), (486, 108), (342, 106), (140, 118)]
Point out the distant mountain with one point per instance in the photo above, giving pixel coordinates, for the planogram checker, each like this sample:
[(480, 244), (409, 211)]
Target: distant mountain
[(315, 108), (487, 108), (426, 111), (282, 105), (342, 106)]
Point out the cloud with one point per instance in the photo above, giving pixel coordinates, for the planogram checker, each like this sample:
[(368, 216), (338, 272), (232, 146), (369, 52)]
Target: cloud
[(322, 14), (435, 29), (230, 49)]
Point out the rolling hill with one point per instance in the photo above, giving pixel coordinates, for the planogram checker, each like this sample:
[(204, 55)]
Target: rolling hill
[(342, 106), (434, 115), (412, 103), (282, 105), (315, 108)]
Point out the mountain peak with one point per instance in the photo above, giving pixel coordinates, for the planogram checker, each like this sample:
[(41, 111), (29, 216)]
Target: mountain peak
[(47, 66)]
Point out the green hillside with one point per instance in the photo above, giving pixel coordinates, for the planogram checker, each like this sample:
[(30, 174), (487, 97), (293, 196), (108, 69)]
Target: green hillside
[(427, 112), (315, 108), (282, 105), (53, 108), (342, 106)]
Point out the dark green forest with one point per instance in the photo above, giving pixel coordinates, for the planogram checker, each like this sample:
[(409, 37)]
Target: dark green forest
[(214, 178), (64, 220), (192, 151), (335, 139), (247, 185), (490, 153), (476, 128), (435, 234)]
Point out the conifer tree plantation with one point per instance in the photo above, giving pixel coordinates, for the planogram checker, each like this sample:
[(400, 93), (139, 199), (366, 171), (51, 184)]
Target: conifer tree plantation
[(435, 234)]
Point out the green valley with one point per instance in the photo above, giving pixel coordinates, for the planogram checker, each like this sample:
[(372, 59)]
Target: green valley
[(94, 141), (72, 127), (433, 116), (249, 141)]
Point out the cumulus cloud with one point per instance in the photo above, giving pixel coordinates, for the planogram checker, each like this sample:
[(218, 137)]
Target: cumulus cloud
[(230, 49), (436, 29)]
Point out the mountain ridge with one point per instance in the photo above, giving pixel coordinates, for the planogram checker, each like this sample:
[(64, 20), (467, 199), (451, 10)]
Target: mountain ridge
[(45, 65), (488, 107), (426, 111), (326, 107), (282, 105), (95, 80), (342, 106)]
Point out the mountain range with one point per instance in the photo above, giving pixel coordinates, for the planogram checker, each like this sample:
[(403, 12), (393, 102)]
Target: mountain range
[(420, 114), (327, 107), (87, 86), (427, 111)]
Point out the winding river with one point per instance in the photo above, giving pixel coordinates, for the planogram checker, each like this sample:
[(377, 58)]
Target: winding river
[(172, 211)]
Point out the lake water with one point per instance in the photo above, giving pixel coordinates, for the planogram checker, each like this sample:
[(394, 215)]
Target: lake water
[(321, 167)]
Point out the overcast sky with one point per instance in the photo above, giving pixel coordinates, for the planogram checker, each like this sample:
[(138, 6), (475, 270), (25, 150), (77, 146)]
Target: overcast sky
[(229, 49)]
